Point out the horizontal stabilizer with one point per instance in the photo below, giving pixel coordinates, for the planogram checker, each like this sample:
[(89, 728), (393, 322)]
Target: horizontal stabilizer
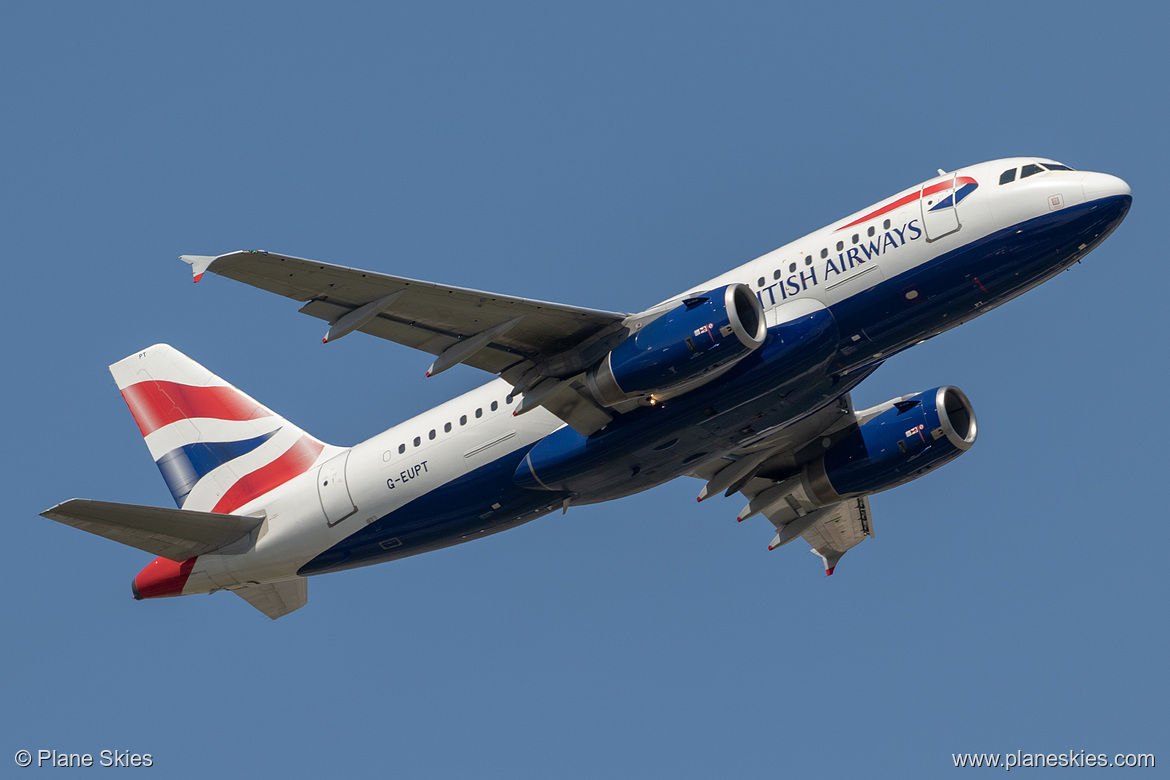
[(276, 599), (177, 534)]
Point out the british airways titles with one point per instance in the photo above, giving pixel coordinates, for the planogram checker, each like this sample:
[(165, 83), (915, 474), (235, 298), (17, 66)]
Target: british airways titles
[(845, 261)]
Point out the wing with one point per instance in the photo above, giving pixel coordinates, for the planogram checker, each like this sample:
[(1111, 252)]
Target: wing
[(427, 316), (177, 534), (534, 345), (768, 472)]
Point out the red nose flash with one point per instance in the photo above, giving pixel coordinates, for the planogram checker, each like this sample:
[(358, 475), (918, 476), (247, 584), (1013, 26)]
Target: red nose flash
[(162, 577)]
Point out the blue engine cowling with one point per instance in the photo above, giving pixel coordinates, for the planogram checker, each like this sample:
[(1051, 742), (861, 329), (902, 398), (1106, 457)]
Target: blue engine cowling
[(916, 435), (684, 347)]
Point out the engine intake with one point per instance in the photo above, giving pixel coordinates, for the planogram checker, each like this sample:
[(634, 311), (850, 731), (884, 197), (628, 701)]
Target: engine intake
[(685, 347)]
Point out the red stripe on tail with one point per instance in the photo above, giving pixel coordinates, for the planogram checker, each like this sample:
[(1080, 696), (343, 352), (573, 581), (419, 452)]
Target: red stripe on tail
[(156, 404), (296, 461)]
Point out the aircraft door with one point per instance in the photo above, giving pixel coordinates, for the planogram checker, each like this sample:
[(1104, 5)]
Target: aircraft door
[(940, 217), (333, 490)]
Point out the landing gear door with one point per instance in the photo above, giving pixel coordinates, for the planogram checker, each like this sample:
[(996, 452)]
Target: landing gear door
[(333, 489), (940, 217)]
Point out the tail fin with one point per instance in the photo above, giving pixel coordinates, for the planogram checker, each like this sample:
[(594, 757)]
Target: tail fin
[(216, 447)]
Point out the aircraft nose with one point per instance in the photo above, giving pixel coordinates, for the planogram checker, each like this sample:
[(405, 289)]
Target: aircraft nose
[(1102, 185)]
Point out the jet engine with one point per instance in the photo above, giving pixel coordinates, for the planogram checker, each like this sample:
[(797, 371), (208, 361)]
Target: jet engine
[(685, 347), (896, 442)]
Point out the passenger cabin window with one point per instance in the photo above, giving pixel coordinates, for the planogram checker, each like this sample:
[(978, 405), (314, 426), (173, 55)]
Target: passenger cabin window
[(869, 232), (824, 253), (447, 428), (808, 260), (417, 441), (478, 413), (431, 435), (495, 405), (792, 268), (463, 420), (760, 281), (1030, 170), (886, 225), (840, 245), (776, 274), (401, 448)]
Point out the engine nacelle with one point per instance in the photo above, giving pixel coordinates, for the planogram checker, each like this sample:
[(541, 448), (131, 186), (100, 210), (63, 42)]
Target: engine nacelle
[(685, 347), (914, 436)]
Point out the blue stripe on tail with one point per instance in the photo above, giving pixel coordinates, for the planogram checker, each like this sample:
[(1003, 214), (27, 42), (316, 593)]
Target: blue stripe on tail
[(184, 466)]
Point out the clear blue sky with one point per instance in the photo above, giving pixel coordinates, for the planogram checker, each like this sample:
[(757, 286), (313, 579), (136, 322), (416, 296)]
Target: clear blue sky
[(605, 155)]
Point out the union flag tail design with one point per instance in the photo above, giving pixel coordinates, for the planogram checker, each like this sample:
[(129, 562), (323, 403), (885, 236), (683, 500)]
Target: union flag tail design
[(217, 448)]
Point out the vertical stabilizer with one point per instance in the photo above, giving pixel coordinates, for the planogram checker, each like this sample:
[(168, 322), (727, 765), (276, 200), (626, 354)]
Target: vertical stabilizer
[(216, 447)]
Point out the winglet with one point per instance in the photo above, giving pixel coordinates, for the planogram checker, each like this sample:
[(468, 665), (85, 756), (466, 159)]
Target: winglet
[(830, 557), (198, 264)]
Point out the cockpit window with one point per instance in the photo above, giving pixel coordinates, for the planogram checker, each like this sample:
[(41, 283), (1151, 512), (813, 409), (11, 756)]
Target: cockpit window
[(1057, 167), (1030, 170), (1007, 176)]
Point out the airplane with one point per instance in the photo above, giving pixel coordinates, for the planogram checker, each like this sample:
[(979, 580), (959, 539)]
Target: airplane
[(742, 382)]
